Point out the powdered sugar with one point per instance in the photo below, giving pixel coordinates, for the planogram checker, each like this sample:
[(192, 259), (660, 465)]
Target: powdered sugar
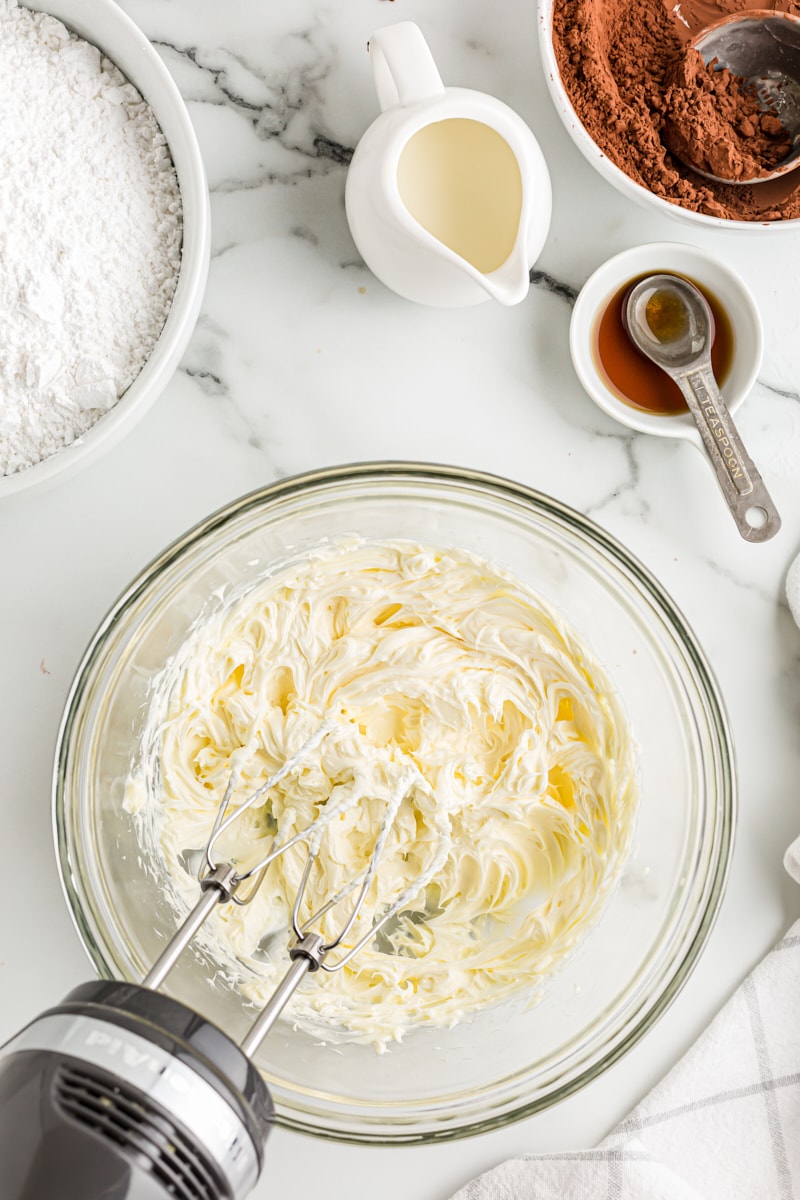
[(90, 235)]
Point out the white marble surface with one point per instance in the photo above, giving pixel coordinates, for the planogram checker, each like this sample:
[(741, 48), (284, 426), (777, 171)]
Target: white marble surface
[(301, 358)]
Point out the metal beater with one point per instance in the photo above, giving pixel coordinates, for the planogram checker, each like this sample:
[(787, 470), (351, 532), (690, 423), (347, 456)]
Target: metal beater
[(122, 1093)]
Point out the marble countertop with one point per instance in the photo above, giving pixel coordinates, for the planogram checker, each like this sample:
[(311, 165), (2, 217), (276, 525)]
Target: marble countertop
[(301, 358)]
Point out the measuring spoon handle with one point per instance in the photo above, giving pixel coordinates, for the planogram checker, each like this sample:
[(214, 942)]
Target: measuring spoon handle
[(738, 476)]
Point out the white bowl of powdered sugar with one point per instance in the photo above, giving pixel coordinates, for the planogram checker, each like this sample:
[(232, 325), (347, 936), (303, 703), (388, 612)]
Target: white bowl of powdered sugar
[(104, 233)]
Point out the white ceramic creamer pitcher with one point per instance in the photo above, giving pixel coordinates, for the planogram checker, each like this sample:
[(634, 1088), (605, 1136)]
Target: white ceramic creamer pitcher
[(448, 194)]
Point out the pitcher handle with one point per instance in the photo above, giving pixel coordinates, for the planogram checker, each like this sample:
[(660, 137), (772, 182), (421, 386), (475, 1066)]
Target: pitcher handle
[(402, 66)]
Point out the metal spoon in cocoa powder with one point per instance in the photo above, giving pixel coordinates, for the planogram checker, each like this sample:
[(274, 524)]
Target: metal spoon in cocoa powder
[(669, 320), (762, 49)]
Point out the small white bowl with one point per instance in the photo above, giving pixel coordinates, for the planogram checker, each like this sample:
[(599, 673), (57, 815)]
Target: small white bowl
[(702, 268), (593, 154), (107, 27)]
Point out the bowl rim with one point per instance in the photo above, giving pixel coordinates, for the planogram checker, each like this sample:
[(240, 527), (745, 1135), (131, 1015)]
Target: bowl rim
[(608, 169), (184, 308), (718, 725)]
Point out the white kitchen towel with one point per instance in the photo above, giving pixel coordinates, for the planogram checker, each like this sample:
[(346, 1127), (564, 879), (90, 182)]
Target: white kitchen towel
[(793, 589), (723, 1125)]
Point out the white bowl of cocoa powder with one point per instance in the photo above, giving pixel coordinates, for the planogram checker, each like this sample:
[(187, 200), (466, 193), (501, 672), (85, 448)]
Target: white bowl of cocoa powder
[(608, 66)]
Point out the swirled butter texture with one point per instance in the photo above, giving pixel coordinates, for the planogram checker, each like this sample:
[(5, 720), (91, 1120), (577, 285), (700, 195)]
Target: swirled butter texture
[(453, 693)]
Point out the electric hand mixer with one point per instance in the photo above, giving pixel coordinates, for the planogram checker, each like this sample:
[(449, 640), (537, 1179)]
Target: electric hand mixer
[(122, 1093)]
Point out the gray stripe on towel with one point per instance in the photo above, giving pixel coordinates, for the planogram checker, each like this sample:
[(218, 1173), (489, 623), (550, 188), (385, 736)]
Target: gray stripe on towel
[(770, 1099)]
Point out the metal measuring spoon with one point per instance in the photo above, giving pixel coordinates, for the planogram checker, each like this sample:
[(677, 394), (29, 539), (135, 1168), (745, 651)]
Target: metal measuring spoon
[(669, 320), (763, 48)]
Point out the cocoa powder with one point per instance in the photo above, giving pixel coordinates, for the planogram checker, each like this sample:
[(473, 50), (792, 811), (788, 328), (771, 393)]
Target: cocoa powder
[(714, 120), (638, 91)]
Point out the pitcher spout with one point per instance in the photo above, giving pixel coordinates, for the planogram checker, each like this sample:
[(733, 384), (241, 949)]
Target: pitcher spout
[(510, 283)]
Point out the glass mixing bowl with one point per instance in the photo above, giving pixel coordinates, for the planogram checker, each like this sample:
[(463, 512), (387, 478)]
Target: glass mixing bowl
[(509, 1061)]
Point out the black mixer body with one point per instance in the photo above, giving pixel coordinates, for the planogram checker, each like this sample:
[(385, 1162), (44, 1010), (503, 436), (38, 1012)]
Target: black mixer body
[(121, 1093)]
